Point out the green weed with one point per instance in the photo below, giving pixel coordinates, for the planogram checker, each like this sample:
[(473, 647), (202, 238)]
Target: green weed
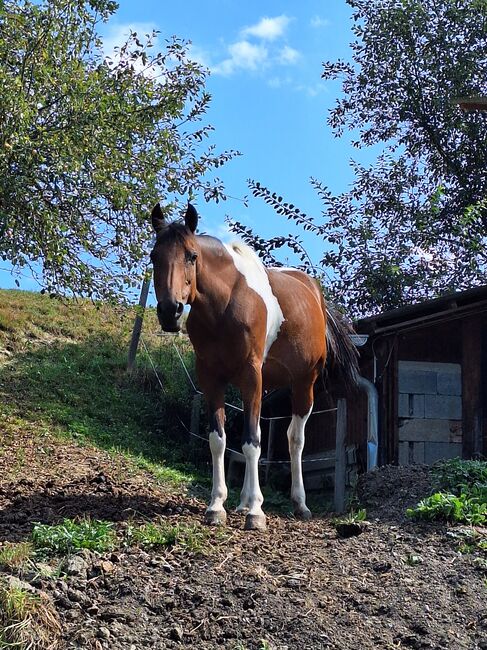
[(70, 536), (353, 517), (192, 538), (462, 495)]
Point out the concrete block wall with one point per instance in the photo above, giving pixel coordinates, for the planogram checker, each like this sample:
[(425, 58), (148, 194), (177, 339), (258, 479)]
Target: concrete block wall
[(430, 411)]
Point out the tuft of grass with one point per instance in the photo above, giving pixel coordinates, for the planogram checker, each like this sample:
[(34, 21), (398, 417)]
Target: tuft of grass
[(14, 556), (28, 621), (191, 538), (70, 536), (352, 524)]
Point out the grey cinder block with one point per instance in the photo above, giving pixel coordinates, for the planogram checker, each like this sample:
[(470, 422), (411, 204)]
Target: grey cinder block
[(443, 407)]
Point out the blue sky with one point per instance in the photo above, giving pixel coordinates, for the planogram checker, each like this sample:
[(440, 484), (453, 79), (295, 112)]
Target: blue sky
[(268, 98)]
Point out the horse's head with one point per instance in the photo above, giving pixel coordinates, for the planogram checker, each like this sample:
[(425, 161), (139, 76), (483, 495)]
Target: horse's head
[(174, 259)]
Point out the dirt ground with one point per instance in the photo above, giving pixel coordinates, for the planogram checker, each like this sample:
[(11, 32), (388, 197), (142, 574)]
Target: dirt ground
[(399, 584)]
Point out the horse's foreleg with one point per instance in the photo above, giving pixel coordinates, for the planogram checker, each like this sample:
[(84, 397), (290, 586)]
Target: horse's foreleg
[(302, 407), (251, 496), (215, 513)]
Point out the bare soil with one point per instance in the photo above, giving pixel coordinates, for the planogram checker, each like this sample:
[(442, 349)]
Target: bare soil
[(400, 584)]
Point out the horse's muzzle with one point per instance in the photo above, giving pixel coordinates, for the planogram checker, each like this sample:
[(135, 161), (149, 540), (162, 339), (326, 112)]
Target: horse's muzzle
[(169, 314)]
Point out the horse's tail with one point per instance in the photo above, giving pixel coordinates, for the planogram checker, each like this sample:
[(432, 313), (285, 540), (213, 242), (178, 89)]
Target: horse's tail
[(342, 353)]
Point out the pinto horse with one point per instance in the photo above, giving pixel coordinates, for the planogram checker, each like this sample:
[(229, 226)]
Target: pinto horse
[(254, 327)]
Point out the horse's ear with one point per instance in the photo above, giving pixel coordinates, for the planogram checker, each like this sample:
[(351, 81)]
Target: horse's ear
[(157, 216), (191, 217)]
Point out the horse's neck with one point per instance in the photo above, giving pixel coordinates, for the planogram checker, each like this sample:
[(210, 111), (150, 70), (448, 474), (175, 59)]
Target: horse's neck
[(215, 280)]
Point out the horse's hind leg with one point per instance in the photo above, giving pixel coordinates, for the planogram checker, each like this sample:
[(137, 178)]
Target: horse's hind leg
[(251, 496), (302, 404)]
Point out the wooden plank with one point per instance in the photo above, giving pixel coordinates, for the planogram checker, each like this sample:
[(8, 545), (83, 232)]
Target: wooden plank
[(471, 386), (139, 318), (341, 457), (270, 448)]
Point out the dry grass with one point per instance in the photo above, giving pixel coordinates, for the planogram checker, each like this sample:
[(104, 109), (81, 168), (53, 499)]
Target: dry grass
[(14, 556), (28, 620)]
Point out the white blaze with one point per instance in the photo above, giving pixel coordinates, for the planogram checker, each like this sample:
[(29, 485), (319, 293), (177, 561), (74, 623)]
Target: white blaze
[(249, 265)]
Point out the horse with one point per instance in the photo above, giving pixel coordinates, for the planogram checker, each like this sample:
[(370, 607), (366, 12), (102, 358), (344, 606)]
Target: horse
[(254, 327)]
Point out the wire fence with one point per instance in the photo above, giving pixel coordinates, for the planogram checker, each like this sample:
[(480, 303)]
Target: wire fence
[(196, 391)]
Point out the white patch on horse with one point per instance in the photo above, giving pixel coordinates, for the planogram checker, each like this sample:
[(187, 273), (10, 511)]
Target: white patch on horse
[(219, 490), (249, 265), (295, 435), (254, 497)]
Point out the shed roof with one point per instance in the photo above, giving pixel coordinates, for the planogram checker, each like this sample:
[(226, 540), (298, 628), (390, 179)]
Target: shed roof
[(449, 305)]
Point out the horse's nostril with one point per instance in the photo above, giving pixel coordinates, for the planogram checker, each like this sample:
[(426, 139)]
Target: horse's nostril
[(179, 309)]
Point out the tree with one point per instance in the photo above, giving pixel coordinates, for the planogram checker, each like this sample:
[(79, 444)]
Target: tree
[(89, 143), (414, 224)]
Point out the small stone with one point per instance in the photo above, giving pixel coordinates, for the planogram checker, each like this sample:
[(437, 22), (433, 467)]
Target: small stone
[(76, 566), (76, 596), (107, 566), (104, 633), (20, 585), (176, 633)]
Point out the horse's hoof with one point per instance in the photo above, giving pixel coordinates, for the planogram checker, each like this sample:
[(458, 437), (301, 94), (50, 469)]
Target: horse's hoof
[(215, 517), (255, 522), (304, 514)]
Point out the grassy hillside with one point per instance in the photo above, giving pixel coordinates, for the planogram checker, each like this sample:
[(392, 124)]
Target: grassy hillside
[(63, 373)]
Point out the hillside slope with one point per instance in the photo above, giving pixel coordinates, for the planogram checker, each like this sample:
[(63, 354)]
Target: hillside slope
[(101, 541)]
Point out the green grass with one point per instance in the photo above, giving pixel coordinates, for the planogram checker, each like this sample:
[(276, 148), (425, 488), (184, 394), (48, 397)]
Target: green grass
[(71, 536), (64, 372), (461, 495)]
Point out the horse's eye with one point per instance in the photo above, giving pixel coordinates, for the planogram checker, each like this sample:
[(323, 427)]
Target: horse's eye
[(191, 257)]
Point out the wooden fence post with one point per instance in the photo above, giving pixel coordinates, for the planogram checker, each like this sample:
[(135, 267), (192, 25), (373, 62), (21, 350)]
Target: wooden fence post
[(270, 449), (340, 456), (137, 329), (195, 414)]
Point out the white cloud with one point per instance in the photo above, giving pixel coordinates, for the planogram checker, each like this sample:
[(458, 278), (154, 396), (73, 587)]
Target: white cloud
[(318, 21), (243, 55), (288, 55), (268, 28)]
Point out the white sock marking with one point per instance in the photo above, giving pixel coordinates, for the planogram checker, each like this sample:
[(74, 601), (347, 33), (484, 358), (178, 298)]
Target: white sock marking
[(219, 490), (255, 498), (295, 435)]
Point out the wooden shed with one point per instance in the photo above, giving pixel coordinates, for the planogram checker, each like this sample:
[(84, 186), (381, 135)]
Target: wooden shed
[(429, 364)]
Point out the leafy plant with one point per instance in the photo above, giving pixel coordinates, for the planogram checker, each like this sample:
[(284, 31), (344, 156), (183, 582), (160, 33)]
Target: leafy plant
[(70, 536), (463, 495), (457, 474), (353, 517)]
